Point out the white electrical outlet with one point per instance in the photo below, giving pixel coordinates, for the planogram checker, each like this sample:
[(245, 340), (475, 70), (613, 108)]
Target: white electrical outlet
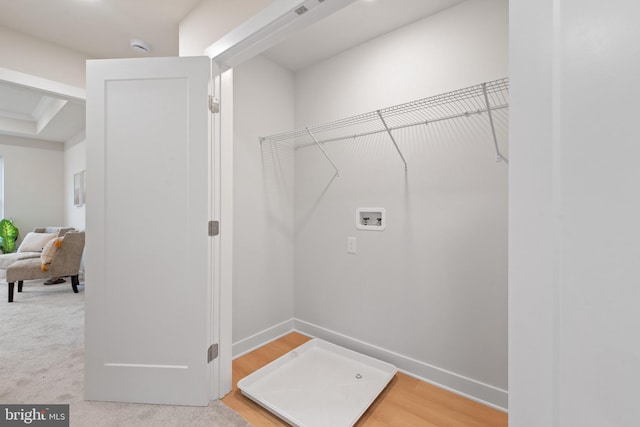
[(351, 245)]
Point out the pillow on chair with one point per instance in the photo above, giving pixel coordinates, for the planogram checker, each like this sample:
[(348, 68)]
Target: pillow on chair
[(35, 242), (49, 252)]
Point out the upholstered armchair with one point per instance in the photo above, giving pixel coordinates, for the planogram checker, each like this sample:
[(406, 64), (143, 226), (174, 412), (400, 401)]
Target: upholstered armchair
[(61, 258), (32, 245)]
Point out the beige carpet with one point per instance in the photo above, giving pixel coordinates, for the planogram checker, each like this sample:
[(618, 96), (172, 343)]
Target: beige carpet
[(42, 362)]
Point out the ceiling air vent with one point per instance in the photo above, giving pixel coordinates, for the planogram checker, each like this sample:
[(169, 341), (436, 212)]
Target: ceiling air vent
[(301, 10)]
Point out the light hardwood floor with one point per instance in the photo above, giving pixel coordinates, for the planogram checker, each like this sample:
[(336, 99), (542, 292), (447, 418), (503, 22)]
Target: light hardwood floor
[(406, 402)]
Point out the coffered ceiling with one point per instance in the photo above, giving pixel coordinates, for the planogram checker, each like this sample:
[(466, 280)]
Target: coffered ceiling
[(31, 113)]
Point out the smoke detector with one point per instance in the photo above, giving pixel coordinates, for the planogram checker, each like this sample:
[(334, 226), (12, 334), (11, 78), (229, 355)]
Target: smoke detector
[(139, 46)]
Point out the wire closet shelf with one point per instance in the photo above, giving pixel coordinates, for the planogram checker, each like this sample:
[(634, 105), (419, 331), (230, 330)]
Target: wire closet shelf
[(482, 98)]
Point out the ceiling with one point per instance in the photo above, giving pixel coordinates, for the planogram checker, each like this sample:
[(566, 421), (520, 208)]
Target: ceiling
[(95, 28), (104, 28), (100, 28), (357, 23)]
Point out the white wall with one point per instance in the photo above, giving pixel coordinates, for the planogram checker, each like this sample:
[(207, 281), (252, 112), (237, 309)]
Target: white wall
[(75, 159), (40, 58), (212, 19), (431, 288), (574, 210), (263, 94), (33, 182), (456, 48)]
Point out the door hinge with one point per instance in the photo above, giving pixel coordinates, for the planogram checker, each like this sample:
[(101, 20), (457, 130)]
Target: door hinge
[(214, 228), (214, 104), (212, 353)]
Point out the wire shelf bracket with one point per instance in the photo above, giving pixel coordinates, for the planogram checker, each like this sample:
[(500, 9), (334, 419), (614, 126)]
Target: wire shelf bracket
[(323, 152), (395, 144), (499, 156)]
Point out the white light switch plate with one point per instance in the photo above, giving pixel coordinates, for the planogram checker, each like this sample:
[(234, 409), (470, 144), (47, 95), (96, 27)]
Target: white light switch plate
[(351, 245)]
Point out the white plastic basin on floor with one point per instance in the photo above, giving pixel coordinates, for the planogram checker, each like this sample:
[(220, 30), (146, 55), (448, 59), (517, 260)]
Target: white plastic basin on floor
[(318, 384)]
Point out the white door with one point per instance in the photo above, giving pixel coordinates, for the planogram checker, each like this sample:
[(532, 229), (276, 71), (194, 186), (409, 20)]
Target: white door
[(148, 254)]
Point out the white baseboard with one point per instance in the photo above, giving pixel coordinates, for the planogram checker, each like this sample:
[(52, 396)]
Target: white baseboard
[(475, 390), (259, 339)]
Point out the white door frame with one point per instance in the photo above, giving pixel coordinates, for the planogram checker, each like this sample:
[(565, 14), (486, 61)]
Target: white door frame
[(221, 133), (267, 28), (57, 89)]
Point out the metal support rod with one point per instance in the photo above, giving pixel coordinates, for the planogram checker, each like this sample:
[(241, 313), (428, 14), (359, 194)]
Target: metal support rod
[(392, 139), (323, 152), (493, 129)]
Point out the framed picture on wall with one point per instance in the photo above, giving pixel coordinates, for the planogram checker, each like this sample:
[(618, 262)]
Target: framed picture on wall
[(78, 188)]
